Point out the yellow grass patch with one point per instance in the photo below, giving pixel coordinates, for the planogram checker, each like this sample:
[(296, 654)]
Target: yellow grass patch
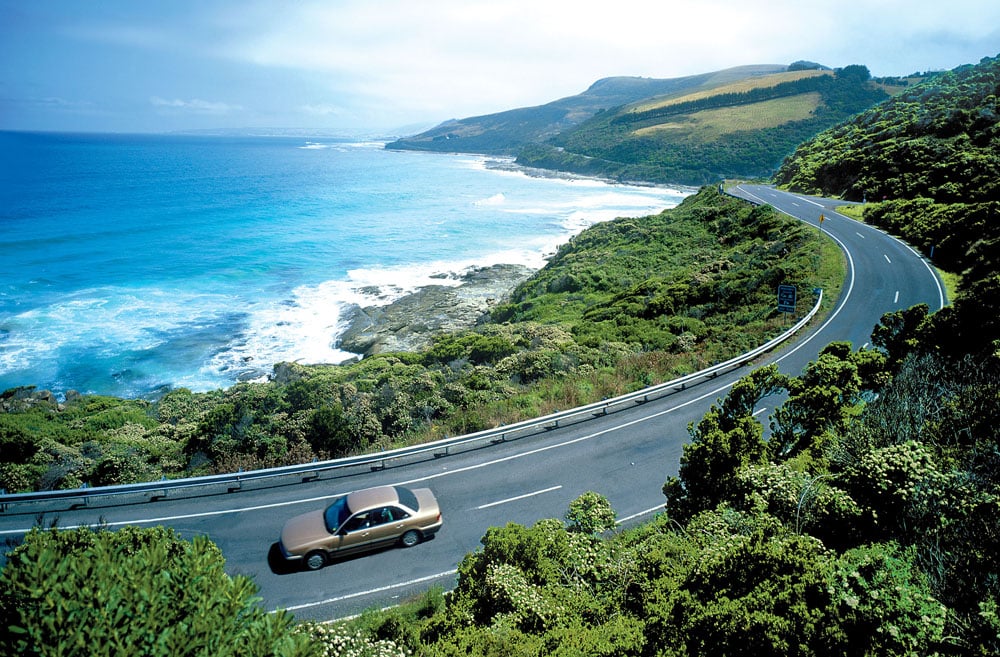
[(742, 86), (708, 125)]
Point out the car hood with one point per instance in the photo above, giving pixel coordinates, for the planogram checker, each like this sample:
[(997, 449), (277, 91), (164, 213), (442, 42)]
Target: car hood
[(301, 532)]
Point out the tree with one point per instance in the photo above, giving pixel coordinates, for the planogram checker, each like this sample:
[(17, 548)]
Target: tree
[(751, 588), (898, 333), (726, 439), (133, 591), (591, 513), (820, 402)]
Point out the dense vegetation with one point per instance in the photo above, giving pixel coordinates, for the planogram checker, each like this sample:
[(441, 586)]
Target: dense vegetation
[(857, 529), (736, 131), (622, 305), (939, 139), (133, 592)]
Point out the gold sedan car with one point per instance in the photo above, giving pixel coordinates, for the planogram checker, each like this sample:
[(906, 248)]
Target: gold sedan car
[(360, 521)]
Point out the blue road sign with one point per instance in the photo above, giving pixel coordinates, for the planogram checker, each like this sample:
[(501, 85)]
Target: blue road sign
[(786, 298)]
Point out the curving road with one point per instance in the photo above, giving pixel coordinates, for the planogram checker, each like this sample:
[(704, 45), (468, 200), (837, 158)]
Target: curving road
[(626, 456)]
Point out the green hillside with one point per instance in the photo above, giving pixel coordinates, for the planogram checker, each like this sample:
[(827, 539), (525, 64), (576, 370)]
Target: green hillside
[(504, 133), (740, 129), (738, 122), (938, 139)]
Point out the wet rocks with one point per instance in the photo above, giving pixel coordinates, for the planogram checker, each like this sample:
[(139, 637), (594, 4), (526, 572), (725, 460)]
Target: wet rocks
[(409, 323)]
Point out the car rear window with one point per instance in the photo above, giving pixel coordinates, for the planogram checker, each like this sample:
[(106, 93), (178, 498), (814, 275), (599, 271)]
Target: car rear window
[(407, 498)]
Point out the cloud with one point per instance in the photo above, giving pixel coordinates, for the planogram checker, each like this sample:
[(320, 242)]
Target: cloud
[(362, 64), (455, 58), (195, 105), (320, 109)]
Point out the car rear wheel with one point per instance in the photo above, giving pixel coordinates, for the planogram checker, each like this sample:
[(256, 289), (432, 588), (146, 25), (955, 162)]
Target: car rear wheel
[(315, 560), (410, 538)]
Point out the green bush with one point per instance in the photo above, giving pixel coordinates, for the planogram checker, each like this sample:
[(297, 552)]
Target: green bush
[(136, 592)]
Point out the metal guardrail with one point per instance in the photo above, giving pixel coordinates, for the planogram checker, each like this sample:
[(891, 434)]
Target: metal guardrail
[(228, 483)]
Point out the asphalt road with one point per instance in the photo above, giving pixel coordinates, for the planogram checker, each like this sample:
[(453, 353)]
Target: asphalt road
[(625, 456)]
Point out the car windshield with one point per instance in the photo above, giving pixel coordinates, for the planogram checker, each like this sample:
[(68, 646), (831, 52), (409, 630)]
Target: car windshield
[(336, 514)]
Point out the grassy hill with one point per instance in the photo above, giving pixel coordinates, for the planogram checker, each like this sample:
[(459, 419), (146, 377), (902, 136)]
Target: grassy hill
[(738, 122), (739, 129), (505, 133)]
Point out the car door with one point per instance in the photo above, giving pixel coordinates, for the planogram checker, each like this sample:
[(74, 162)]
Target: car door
[(355, 533), (387, 524)]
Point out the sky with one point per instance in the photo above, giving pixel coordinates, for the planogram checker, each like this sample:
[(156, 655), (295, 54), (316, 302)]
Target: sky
[(391, 67)]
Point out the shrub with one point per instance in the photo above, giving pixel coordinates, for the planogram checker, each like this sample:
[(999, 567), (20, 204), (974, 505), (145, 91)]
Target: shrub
[(133, 591)]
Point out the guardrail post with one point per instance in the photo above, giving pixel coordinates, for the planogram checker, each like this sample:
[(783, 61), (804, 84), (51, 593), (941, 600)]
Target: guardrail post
[(236, 485), (85, 500), (502, 438), (311, 475)]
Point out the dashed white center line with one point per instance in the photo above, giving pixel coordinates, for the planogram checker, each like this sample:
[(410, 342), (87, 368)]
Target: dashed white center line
[(519, 497), (887, 258)]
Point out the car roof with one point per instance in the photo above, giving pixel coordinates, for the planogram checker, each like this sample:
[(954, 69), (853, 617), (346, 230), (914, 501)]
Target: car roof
[(372, 497)]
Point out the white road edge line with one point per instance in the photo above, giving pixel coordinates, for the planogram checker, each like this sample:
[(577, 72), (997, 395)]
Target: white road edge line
[(519, 497), (659, 507), (381, 589)]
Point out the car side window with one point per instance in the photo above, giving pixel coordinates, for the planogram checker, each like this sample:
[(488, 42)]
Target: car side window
[(397, 513), (387, 514), (360, 521)]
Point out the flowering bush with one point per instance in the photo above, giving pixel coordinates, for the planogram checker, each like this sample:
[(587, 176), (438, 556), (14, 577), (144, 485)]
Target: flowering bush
[(335, 640)]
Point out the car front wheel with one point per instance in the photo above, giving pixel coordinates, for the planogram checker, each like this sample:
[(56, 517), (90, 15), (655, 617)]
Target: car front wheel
[(315, 560), (410, 538)]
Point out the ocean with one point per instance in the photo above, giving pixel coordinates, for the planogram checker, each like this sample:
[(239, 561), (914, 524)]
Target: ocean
[(132, 264)]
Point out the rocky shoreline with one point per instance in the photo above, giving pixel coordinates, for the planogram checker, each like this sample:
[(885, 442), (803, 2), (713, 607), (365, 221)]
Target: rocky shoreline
[(409, 323)]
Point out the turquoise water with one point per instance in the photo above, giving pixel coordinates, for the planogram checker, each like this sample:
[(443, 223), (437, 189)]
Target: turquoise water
[(131, 264)]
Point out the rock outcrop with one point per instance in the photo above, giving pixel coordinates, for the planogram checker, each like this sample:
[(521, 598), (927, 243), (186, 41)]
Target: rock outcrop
[(409, 323)]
